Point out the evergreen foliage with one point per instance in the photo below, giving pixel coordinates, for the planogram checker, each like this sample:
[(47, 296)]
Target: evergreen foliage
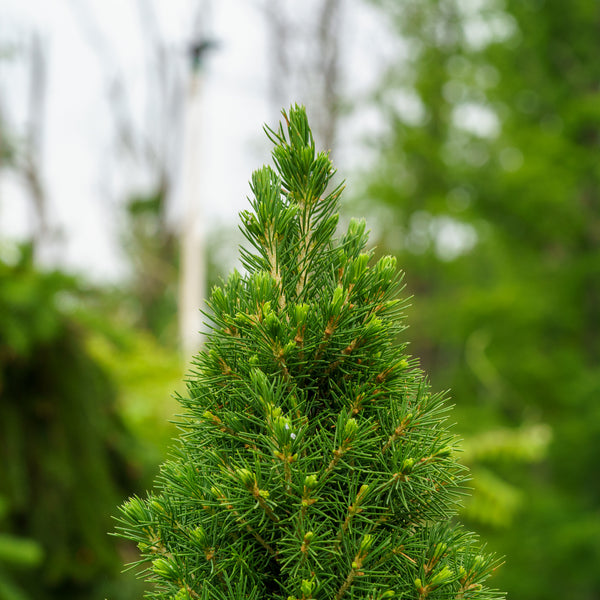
[(314, 461), (66, 456)]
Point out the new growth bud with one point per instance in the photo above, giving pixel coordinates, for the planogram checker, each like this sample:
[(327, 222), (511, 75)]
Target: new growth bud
[(307, 588), (198, 536), (311, 481), (407, 465), (164, 568), (442, 577), (350, 429), (362, 492), (136, 509), (306, 541), (246, 477), (300, 313), (337, 301), (439, 550), (444, 452), (373, 327), (366, 543)]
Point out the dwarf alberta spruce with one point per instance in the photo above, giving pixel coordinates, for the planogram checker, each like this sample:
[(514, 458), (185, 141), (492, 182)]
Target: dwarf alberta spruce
[(313, 461)]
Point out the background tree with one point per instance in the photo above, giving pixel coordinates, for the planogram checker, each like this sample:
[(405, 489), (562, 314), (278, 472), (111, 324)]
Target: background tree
[(489, 181), (21, 148), (66, 455), (147, 156)]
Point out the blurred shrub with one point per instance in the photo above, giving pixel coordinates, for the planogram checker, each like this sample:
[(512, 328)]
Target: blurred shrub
[(147, 375), (495, 500), (67, 457), (15, 553)]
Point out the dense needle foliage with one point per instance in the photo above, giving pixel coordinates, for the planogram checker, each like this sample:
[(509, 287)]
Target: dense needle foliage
[(313, 461)]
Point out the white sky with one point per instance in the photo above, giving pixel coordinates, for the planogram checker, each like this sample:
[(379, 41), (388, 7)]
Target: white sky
[(80, 172)]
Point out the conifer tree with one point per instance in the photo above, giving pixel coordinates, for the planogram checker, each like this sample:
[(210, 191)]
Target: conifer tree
[(314, 462)]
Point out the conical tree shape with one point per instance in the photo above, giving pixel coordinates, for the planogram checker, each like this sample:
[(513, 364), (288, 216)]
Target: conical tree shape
[(313, 463)]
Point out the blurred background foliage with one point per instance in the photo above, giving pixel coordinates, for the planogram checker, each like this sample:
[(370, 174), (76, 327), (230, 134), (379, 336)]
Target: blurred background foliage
[(484, 181), (67, 456), (496, 221), (15, 552)]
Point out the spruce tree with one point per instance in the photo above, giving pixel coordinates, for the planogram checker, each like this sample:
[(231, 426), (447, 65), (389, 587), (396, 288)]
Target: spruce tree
[(314, 462)]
